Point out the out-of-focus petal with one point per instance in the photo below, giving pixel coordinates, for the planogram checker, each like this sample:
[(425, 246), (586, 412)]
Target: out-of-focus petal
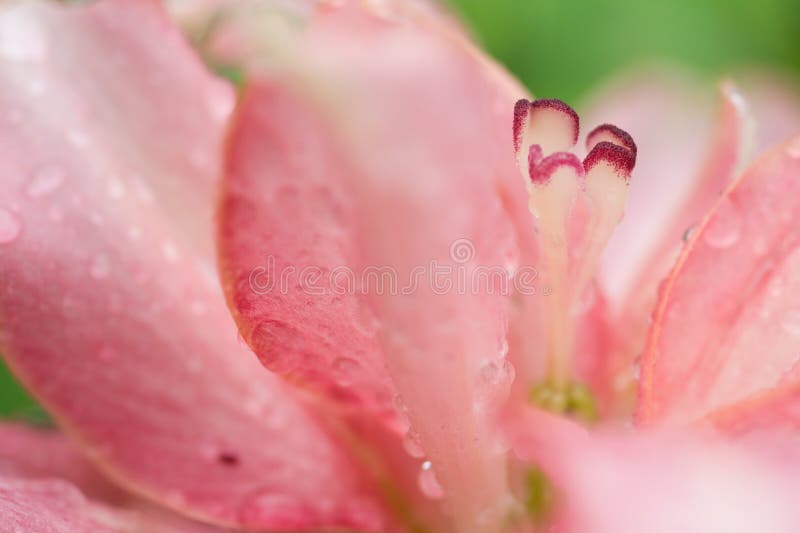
[(689, 202), (726, 325), (391, 160), (56, 506), (670, 117), (112, 315), (39, 453), (774, 102), (624, 483)]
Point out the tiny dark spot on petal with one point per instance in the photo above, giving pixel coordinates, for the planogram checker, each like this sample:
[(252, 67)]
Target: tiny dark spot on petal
[(228, 459)]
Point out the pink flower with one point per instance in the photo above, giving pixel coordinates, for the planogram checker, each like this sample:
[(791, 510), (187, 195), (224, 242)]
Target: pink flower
[(419, 296)]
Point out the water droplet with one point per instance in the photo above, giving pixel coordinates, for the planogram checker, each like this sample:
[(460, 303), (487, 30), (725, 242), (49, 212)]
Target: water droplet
[(793, 149), (345, 370), (381, 9), (78, 138), (143, 191), (503, 349), (493, 384), (269, 506), (688, 233), (413, 445), (170, 251), (220, 101), (116, 189), (725, 227), (275, 343), (22, 37), (10, 226), (45, 180), (100, 267), (428, 483), (134, 233), (791, 323)]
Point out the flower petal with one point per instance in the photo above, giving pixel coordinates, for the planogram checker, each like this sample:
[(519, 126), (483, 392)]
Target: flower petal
[(726, 323), (112, 315), (55, 506), (662, 237), (27, 452), (615, 483), (393, 160)]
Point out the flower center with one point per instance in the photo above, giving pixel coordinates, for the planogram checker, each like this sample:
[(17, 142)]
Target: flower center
[(576, 205)]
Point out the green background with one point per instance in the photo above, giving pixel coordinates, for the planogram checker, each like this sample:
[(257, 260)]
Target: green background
[(560, 49)]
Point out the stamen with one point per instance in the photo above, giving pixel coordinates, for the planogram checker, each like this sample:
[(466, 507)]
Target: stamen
[(576, 205), (554, 187), (551, 124), (608, 169), (612, 134)]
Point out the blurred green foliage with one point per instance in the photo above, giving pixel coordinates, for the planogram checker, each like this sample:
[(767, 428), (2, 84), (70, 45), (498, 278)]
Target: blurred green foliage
[(561, 48)]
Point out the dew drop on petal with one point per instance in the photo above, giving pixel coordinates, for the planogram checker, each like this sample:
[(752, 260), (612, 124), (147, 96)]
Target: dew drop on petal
[(791, 323), (170, 251), (793, 149), (268, 506), (412, 444), (725, 227), (428, 483), (45, 180), (22, 37), (10, 226), (134, 233), (344, 371), (116, 189), (220, 101), (271, 334), (100, 267)]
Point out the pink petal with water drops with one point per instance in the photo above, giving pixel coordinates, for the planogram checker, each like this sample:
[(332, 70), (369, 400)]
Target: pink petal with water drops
[(726, 326), (316, 331), (111, 311), (645, 245), (671, 118), (412, 160), (37, 454)]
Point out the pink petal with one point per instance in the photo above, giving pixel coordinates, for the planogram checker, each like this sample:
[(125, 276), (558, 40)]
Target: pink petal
[(55, 506), (766, 412), (36, 453), (402, 167), (726, 323), (688, 201), (670, 117), (112, 316), (627, 483)]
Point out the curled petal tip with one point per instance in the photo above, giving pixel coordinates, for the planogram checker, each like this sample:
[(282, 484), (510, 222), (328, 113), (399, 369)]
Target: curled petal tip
[(613, 134), (621, 159), (542, 171)]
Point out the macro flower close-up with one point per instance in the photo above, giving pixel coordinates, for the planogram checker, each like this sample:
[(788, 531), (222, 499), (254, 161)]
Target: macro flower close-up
[(327, 265)]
